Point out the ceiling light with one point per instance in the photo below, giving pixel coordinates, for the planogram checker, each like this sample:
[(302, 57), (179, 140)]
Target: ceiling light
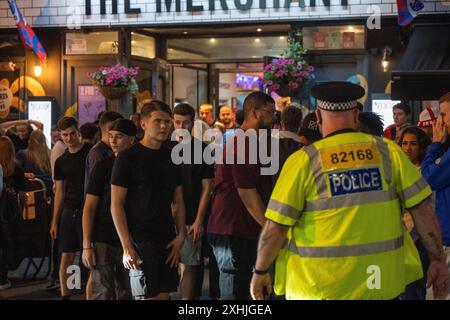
[(258, 30), (185, 32), (281, 37), (212, 40)]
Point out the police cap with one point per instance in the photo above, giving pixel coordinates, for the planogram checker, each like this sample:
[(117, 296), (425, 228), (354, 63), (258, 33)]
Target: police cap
[(337, 95)]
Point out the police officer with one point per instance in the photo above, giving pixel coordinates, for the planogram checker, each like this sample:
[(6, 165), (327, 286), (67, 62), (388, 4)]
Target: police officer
[(334, 219)]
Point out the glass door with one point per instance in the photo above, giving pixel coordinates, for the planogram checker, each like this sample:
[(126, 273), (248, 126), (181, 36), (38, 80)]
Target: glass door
[(190, 84)]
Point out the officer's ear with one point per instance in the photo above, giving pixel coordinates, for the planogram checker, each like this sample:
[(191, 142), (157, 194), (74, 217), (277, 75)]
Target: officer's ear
[(356, 116), (319, 117)]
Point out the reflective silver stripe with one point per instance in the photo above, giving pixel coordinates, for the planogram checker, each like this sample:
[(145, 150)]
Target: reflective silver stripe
[(316, 169), (283, 209), (413, 190), (350, 200), (346, 251), (383, 148)]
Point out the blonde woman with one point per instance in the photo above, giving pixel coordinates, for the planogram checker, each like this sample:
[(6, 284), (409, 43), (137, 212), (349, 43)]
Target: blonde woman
[(35, 160)]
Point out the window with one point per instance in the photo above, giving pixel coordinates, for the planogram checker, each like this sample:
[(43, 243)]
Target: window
[(333, 38), (142, 46), (225, 48), (92, 43)]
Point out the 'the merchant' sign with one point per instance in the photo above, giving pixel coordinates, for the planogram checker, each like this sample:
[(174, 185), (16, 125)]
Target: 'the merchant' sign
[(190, 7)]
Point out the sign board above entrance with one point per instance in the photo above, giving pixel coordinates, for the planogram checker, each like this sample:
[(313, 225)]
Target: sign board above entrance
[(75, 14)]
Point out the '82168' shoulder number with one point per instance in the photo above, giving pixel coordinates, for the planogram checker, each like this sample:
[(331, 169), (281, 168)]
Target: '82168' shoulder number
[(344, 156), (350, 155)]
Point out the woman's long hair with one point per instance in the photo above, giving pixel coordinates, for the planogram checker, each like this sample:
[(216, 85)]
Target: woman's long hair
[(38, 152), (7, 156)]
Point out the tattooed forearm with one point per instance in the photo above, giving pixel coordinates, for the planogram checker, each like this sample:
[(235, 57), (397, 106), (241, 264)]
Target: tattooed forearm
[(427, 227), (438, 252), (272, 238)]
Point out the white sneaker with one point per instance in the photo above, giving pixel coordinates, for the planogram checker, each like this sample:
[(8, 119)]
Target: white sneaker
[(5, 286)]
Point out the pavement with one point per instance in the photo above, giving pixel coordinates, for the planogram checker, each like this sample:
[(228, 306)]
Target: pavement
[(25, 288)]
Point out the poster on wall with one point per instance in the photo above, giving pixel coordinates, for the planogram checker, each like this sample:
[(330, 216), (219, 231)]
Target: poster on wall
[(320, 40), (90, 103), (382, 104), (348, 40), (40, 109), (334, 40)]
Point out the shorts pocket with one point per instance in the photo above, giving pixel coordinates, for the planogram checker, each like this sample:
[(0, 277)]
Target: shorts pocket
[(138, 285)]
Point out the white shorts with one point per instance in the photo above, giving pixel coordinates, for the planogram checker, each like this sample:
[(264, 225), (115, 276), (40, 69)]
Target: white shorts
[(190, 251)]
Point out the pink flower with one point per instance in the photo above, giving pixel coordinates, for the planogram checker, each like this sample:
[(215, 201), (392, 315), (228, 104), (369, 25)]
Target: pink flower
[(275, 86), (293, 85), (280, 73), (267, 67), (311, 69), (299, 80)]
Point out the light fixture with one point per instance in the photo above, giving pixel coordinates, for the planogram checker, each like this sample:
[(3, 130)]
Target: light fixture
[(257, 40), (387, 51), (212, 40), (281, 37), (258, 30), (351, 28), (37, 71), (133, 42), (185, 32)]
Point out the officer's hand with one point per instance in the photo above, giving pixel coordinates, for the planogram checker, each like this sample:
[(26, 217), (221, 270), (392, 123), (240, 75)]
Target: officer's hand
[(260, 286), (438, 277), (439, 131)]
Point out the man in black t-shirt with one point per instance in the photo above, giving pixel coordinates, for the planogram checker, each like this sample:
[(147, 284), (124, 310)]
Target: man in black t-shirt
[(197, 179), (102, 252), (68, 206), (145, 183)]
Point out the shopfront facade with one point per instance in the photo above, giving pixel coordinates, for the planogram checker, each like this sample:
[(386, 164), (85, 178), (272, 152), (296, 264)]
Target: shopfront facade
[(196, 51)]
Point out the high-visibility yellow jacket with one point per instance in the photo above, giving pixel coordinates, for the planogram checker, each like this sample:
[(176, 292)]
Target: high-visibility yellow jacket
[(342, 198)]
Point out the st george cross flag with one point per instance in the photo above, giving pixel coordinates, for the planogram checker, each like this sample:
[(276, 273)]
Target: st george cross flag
[(27, 35), (408, 10)]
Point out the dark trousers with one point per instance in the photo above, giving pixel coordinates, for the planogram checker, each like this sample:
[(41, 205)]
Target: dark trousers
[(235, 259), (3, 266)]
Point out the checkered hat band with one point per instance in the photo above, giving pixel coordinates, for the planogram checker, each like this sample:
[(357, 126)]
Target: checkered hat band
[(336, 106)]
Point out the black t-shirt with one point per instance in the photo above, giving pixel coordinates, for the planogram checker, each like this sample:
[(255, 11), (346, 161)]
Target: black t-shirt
[(151, 179), (99, 185), (191, 179), (70, 167)]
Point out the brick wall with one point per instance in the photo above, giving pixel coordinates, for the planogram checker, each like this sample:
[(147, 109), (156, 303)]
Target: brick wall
[(63, 13)]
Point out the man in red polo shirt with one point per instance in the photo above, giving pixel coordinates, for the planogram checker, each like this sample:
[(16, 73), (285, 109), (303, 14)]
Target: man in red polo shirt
[(239, 202)]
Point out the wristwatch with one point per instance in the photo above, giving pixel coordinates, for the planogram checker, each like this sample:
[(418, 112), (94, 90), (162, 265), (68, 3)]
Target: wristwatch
[(260, 272)]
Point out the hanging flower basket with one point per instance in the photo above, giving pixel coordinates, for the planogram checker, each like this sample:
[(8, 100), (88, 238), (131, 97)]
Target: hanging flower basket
[(286, 91), (116, 81), (286, 75), (112, 93)]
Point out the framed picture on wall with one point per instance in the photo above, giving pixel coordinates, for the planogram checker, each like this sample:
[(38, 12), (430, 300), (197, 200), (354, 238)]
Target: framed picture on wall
[(90, 103)]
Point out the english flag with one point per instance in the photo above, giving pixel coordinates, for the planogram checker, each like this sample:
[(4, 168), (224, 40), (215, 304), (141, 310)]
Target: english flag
[(27, 35), (408, 10)]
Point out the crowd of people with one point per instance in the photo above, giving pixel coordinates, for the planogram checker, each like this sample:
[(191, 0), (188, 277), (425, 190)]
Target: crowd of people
[(145, 227)]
